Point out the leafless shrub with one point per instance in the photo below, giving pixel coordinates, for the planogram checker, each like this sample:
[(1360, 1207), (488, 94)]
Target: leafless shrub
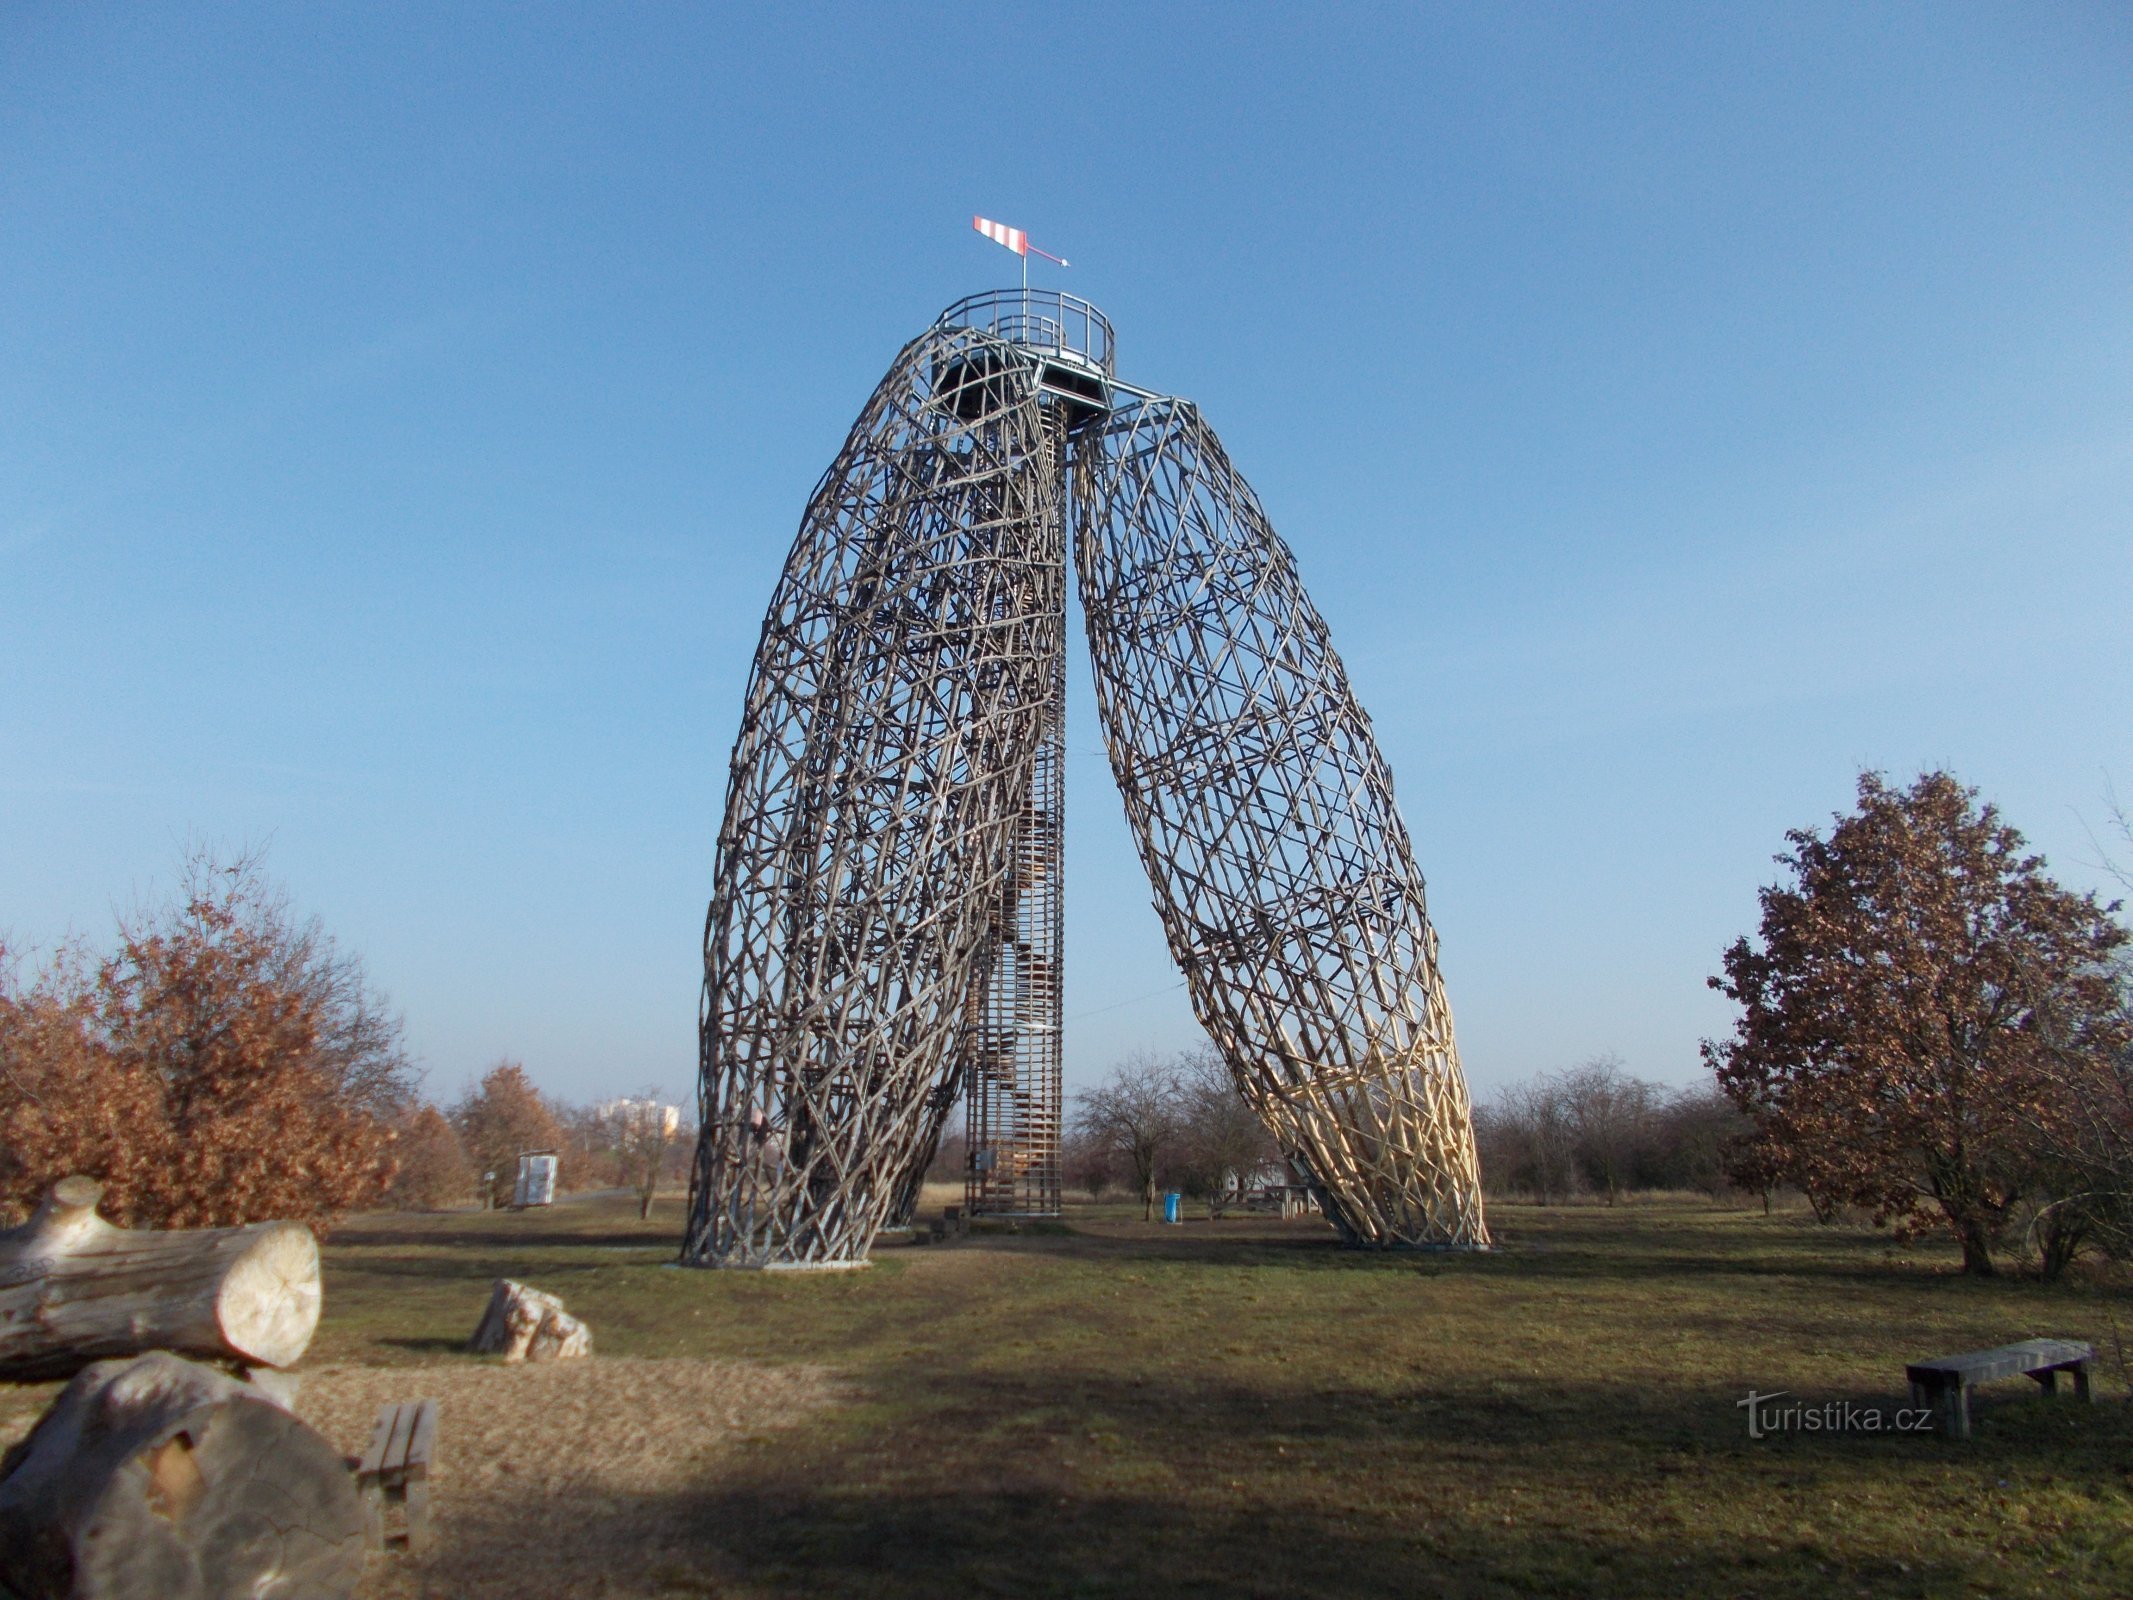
[(1597, 1129), (1137, 1116), (1223, 1143)]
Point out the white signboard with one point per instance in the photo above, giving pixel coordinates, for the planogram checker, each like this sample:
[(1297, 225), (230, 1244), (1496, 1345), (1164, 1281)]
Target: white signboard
[(536, 1181)]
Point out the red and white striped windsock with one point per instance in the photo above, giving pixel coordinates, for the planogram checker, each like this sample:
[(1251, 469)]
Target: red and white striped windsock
[(1000, 233), (1014, 238)]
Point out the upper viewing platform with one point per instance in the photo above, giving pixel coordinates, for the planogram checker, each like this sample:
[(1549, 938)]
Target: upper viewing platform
[(1063, 326), (1071, 340)]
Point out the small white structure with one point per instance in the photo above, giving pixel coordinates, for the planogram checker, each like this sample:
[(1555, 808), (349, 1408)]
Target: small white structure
[(536, 1180)]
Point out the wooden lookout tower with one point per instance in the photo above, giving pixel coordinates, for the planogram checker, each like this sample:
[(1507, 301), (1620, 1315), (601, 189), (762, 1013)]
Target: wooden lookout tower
[(885, 932)]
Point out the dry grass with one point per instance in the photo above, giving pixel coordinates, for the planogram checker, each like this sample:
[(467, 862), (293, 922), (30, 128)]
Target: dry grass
[(1229, 1410)]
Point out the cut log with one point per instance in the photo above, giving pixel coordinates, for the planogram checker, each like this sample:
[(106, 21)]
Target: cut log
[(523, 1324), (157, 1479), (75, 1289)]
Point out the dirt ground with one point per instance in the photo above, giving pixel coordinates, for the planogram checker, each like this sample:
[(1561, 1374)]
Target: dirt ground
[(568, 1479), (563, 1479)]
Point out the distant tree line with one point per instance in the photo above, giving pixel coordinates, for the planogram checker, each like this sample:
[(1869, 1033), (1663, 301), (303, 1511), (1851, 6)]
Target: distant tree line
[(468, 1152), (1177, 1122), (1596, 1130)]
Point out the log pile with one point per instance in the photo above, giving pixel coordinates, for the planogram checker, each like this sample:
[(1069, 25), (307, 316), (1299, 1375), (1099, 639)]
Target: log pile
[(158, 1479), (75, 1289), (523, 1324)]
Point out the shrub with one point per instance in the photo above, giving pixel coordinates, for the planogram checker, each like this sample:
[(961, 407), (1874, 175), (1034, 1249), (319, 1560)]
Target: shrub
[(226, 1063)]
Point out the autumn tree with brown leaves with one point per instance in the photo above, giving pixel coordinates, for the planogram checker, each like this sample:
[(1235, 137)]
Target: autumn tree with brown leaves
[(2086, 1147), (1909, 1009), (226, 1064), (66, 1103), (434, 1174), (498, 1121)]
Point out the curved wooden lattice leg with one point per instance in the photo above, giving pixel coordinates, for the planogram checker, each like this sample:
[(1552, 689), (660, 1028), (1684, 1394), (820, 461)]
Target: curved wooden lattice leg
[(1264, 816), (888, 743)]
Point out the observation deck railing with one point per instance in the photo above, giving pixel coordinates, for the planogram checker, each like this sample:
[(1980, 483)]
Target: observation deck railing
[(1045, 318)]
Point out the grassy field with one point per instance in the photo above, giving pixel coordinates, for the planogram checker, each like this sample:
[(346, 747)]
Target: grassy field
[(1242, 1409)]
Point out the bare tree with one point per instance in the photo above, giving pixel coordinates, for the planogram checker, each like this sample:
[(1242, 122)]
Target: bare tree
[(589, 1149), (2081, 1130), (1695, 1134), (646, 1129), (1610, 1115), (1138, 1116), (1086, 1164), (1528, 1141), (951, 1156), (2117, 856), (1223, 1141), (2081, 1134)]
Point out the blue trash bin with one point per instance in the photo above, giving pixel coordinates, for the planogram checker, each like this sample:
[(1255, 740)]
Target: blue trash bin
[(1172, 1202)]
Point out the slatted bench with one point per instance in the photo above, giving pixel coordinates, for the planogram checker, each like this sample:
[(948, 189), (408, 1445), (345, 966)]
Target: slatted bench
[(1944, 1385), (395, 1471)]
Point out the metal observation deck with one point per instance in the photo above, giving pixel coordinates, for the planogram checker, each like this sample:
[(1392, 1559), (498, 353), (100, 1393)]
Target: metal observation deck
[(1077, 349)]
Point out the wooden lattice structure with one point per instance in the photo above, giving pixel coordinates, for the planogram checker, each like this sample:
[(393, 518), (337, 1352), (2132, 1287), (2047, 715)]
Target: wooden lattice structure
[(884, 932), (887, 748), (1264, 815)]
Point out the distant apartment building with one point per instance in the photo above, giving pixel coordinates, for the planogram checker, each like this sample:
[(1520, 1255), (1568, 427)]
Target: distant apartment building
[(647, 1115)]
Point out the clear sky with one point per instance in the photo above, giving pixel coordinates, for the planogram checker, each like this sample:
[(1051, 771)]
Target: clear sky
[(405, 409)]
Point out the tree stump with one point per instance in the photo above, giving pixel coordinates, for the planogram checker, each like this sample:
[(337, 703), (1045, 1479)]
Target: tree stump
[(75, 1289), (523, 1324), (156, 1479)]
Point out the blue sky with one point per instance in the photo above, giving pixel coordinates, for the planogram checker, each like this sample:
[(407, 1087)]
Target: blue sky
[(404, 411)]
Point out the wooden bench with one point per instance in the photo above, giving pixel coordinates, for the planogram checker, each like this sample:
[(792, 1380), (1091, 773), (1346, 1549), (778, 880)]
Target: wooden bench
[(1944, 1385), (1286, 1200), (395, 1471)]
